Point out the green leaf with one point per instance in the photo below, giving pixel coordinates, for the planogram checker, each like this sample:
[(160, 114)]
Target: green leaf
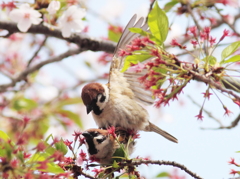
[(54, 168), (119, 152), (229, 50), (48, 137), (235, 58), (115, 164), (71, 115), (24, 104), (143, 33), (50, 150), (60, 146), (138, 31), (211, 60), (69, 101), (39, 157), (113, 36), (51, 168), (158, 23), (170, 5), (6, 150), (140, 52), (163, 174), (134, 59), (4, 136)]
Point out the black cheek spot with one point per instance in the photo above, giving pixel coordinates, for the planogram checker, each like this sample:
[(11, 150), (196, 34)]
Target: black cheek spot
[(102, 99), (100, 140), (92, 149)]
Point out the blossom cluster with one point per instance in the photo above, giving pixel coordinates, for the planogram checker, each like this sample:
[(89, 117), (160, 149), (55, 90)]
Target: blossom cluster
[(68, 21)]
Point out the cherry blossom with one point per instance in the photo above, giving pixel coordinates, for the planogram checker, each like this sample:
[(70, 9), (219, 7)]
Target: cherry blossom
[(53, 7), (25, 16), (71, 20)]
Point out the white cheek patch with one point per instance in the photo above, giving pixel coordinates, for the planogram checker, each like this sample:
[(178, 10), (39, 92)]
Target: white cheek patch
[(100, 146), (101, 105)]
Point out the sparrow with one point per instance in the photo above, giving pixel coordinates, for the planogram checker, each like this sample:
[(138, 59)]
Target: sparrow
[(102, 146), (118, 103)]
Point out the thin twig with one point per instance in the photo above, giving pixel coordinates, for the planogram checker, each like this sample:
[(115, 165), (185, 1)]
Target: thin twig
[(233, 124), (5, 74), (207, 112), (193, 17), (37, 51), (226, 22), (150, 8)]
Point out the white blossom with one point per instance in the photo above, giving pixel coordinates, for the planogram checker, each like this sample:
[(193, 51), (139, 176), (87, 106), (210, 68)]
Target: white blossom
[(53, 7), (71, 20), (25, 16), (112, 9)]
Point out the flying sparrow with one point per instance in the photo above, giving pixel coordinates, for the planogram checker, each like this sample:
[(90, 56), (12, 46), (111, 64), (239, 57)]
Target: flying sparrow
[(102, 145), (117, 102)]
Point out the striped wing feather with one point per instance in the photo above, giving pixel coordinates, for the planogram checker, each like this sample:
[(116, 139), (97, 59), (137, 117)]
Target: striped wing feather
[(140, 94)]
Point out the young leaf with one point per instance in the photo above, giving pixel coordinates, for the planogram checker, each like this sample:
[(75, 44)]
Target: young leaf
[(143, 33), (54, 168), (69, 101), (24, 104), (114, 35), (134, 59), (61, 147), (211, 60), (163, 174), (229, 50), (48, 137), (39, 157), (158, 23), (235, 58), (71, 115), (138, 31), (4, 136), (115, 165), (170, 5)]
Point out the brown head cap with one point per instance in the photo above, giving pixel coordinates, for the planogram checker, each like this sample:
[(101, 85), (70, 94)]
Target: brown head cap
[(90, 92)]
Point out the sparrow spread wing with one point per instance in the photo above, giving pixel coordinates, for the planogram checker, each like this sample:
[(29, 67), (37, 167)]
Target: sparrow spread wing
[(127, 82)]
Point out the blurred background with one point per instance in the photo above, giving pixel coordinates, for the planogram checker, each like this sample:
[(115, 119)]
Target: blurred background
[(56, 89)]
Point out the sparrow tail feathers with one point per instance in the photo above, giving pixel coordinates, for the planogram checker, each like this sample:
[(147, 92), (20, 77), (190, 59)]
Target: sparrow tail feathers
[(163, 133)]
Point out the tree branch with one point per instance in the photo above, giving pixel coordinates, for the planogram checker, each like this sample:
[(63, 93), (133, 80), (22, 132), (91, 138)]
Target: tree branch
[(208, 80), (162, 162), (77, 171), (83, 41), (23, 75)]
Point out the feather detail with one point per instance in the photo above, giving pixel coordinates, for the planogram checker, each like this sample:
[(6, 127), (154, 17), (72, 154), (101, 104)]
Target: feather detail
[(128, 81), (163, 133)]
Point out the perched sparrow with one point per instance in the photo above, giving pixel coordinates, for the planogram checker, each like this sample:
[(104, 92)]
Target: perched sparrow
[(102, 146), (116, 103)]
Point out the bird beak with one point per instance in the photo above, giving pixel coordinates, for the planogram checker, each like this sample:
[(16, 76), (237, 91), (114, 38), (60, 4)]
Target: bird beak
[(89, 109), (86, 135)]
